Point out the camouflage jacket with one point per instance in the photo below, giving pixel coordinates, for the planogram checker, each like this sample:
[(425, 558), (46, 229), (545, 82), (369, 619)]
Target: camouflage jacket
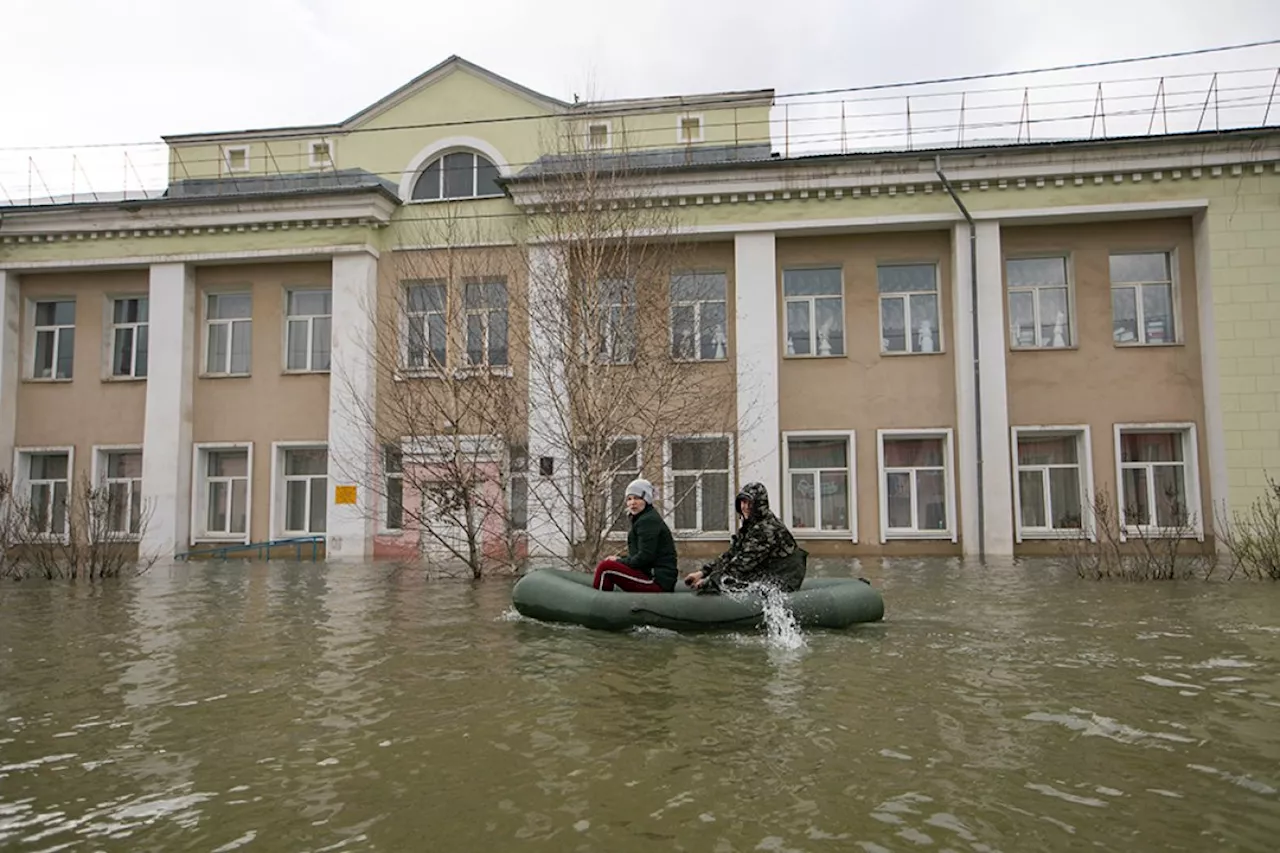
[(760, 543)]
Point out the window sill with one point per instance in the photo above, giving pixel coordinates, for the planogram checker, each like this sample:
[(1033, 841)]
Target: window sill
[(225, 375), (1071, 348), (884, 354), (122, 538), (288, 372), (210, 539), (499, 370), (124, 379), (459, 198), (1050, 534), (1140, 533), (1143, 345), (388, 533), (724, 360), (838, 535), (37, 380), (891, 535), (799, 357)]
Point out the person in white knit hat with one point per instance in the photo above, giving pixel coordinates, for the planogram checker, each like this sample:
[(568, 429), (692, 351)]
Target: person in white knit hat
[(650, 562)]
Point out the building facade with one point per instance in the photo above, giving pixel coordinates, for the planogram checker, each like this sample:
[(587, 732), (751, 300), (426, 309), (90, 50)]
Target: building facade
[(910, 376)]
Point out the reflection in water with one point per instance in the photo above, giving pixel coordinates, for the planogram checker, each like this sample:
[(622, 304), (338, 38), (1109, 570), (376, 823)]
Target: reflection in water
[(999, 708)]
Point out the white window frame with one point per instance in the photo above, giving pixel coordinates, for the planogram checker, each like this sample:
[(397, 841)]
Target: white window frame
[(58, 329), (484, 315), (383, 527), (697, 305), (668, 485), (813, 314), (109, 339), (22, 485), (949, 469), (200, 493), (439, 156), (406, 317), (904, 296), (327, 161), (209, 323), (512, 476), (1171, 258), (228, 150), (609, 532), (100, 479), (609, 334), (309, 319), (608, 134), (1084, 453), (850, 534), (1068, 263), (280, 490), (681, 138), (1191, 463)]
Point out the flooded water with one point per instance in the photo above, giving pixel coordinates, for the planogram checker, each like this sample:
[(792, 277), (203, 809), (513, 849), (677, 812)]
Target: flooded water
[(299, 708)]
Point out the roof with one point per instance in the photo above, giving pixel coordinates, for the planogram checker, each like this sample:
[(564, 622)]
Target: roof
[(688, 157)]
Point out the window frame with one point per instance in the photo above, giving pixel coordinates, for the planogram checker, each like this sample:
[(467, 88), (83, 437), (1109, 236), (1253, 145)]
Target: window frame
[(209, 323), (100, 477), (485, 316), (1191, 479), (947, 434), (1084, 453), (668, 485), (386, 476), (200, 493), (280, 479), (1175, 288), (628, 306), (610, 533), (681, 137), (227, 150), (31, 347), (109, 339), (851, 533), (438, 157), (608, 134), (1068, 263), (813, 312), (406, 317), (311, 331), (328, 161), (696, 304), (514, 474), (904, 296), (22, 486)]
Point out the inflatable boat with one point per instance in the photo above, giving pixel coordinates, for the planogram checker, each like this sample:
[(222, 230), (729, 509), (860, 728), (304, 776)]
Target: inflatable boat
[(554, 595)]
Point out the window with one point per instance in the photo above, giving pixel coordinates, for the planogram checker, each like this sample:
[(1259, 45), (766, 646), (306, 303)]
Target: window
[(393, 470), (1142, 299), (815, 311), (1039, 303), (229, 328), (55, 339), (622, 464), (129, 337), (47, 478), (426, 332), (121, 478), (224, 491), (1051, 481), (698, 316), (915, 485), (1158, 489), (818, 490), (909, 308), (236, 159), (598, 134), (306, 485), (320, 153), (485, 305), (460, 174), (616, 341), (518, 494), (698, 475), (689, 129), (308, 325)]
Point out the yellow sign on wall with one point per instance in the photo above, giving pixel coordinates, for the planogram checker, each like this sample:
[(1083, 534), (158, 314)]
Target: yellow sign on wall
[(344, 494)]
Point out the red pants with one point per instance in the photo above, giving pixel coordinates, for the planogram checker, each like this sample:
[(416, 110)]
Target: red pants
[(611, 573)]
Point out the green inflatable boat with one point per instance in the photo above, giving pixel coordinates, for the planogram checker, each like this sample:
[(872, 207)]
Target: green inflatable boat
[(553, 595)]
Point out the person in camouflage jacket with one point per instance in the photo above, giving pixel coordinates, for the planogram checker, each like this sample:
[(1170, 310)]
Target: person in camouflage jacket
[(763, 549)]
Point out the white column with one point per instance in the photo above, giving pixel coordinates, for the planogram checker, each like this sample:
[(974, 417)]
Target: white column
[(997, 484), (1214, 430), (10, 312), (550, 523), (756, 308), (353, 451), (166, 450)]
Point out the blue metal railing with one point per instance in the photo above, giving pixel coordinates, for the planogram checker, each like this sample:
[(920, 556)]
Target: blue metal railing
[(258, 550)]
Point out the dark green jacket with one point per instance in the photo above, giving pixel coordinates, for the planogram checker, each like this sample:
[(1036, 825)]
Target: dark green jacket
[(651, 548)]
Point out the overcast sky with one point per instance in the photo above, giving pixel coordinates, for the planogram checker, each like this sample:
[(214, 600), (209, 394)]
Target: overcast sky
[(78, 72)]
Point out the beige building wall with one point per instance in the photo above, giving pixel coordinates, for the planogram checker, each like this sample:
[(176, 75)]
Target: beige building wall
[(91, 408), (1097, 382)]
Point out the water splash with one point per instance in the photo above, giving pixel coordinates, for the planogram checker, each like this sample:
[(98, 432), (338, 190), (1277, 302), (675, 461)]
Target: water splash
[(782, 631)]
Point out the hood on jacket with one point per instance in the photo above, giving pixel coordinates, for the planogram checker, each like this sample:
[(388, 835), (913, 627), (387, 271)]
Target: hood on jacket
[(759, 497)]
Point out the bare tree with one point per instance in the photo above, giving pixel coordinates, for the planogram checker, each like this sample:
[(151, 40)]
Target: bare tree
[(609, 381), (1138, 552), (448, 417)]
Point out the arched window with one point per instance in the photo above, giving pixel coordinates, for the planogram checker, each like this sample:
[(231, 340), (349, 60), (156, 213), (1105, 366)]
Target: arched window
[(458, 174)]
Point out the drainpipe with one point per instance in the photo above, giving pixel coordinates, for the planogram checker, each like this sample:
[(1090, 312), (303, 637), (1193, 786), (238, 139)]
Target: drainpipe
[(977, 374)]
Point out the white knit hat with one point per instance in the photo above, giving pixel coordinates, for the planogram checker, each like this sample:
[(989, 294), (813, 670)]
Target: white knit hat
[(641, 489)]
